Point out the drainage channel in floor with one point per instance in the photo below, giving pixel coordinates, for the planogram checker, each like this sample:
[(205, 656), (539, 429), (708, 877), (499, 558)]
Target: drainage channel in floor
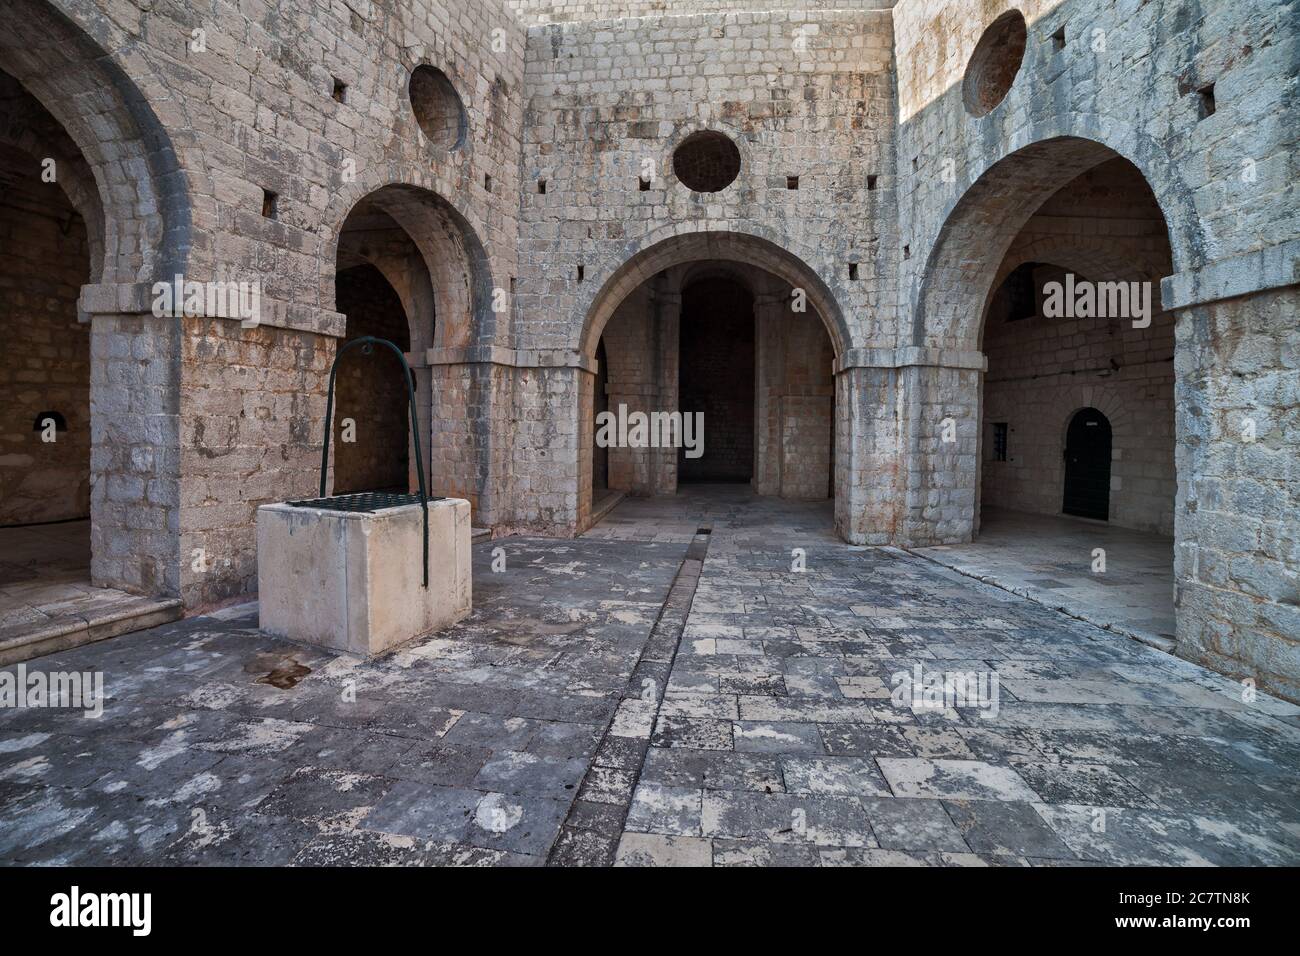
[(594, 825)]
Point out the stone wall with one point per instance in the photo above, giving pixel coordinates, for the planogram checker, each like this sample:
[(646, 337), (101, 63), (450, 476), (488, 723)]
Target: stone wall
[(1237, 551), (251, 413), (233, 143), (45, 361), (559, 11), (1192, 94), (806, 97)]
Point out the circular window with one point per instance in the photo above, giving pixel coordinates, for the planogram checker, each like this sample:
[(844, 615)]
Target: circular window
[(706, 162), (437, 107), (994, 64)]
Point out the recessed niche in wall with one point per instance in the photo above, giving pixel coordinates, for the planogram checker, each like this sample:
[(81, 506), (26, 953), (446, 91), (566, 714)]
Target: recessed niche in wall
[(270, 204), (340, 91), (994, 64), (437, 107), (706, 162), (1205, 97), (44, 418)]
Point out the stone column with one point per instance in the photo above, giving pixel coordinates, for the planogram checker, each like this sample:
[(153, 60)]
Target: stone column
[(908, 445), (1237, 385), (135, 493), (666, 315), (771, 310), (868, 455)]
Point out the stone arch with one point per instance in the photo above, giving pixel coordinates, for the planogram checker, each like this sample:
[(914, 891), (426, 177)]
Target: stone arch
[(681, 243), (104, 93), (25, 125), (449, 243), (991, 206), (1068, 252)]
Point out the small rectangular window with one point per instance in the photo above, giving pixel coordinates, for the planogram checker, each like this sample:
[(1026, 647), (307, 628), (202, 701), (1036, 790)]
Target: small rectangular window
[(270, 204), (340, 92), (541, 187), (871, 181), (853, 271), (792, 182), (644, 184), (1058, 39), (487, 182), (1206, 96), (1000, 441)]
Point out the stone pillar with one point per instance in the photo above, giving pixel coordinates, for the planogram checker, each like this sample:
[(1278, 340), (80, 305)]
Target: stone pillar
[(135, 361), (869, 465), (666, 316), (1237, 385), (908, 432), (941, 408), (770, 313)]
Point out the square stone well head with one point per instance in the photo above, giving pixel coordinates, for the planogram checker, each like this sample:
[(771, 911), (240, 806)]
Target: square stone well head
[(354, 580)]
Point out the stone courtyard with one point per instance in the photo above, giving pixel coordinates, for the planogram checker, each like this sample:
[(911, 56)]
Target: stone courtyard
[(647, 695), (874, 424)]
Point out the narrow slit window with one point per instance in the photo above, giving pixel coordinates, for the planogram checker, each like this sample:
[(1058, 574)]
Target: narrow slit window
[(1206, 97), (1000, 431)]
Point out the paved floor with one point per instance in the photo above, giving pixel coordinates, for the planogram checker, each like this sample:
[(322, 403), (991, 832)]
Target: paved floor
[(46, 596), (653, 694), (1051, 560)]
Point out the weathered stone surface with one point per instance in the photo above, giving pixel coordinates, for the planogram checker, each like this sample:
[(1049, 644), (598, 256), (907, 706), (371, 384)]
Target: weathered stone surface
[(354, 580)]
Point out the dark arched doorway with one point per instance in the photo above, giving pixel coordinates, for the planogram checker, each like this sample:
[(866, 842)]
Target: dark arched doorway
[(371, 417), (716, 379), (1087, 466)]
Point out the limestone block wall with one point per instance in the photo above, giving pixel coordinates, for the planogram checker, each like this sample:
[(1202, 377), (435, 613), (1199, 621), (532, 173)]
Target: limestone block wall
[(45, 361), (1128, 76), (807, 402), (277, 126), (1237, 550), (1042, 371), (250, 407), (804, 95), (559, 11), (795, 398), (136, 456), (641, 346)]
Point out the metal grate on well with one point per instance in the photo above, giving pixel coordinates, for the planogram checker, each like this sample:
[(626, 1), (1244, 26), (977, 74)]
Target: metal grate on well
[(362, 501)]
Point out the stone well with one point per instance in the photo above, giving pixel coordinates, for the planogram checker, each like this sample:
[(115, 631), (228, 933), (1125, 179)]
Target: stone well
[(353, 580)]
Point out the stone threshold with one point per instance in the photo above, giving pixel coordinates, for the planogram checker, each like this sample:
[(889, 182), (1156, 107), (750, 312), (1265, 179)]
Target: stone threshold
[(479, 534), (138, 614), (1046, 598), (605, 505)]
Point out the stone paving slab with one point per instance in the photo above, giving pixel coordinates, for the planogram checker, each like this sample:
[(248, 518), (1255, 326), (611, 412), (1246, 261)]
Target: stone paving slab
[(468, 747), (599, 707), (1100, 751)]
